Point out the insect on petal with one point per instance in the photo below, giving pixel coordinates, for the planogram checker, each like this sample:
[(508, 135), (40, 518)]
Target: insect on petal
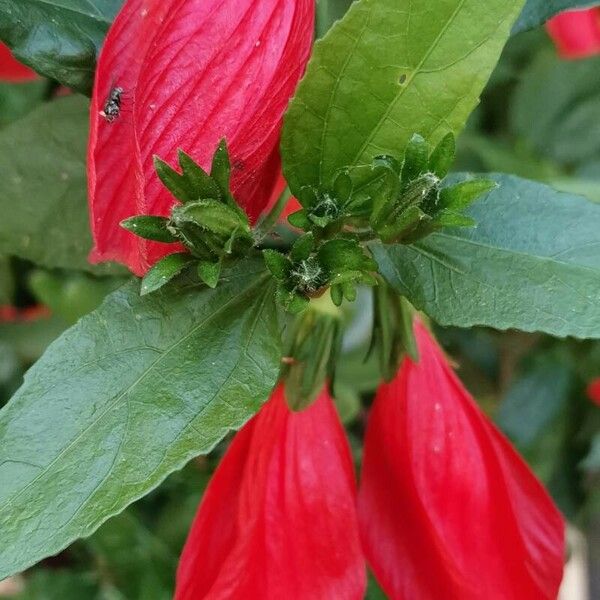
[(193, 72)]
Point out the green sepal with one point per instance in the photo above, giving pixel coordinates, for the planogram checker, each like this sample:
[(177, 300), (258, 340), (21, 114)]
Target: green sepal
[(337, 294), (442, 157), (212, 215), (150, 228), (199, 183), (349, 291), (342, 188), (314, 344), (462, 195), (308, 197), (387, 162), (165, 270), (173, 181), (291, 301), (209, 272), (220, 170), (406, 223), (277, 263), (449, 218), (416, 158), (299, 220), (393, 333), (302, 247), (339, 255)]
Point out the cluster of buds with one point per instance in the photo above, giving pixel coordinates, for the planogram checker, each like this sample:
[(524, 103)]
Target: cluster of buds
[(310, 268), (208, 221), (413, 199)]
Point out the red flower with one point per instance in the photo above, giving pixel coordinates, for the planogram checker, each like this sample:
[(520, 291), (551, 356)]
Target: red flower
[(188, 73), (12, 314), (576, 33), (11, 69), (593, 391), (447, 509), (278, 519)]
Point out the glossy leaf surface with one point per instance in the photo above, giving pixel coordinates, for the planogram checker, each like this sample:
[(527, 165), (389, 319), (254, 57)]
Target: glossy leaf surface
[(531, 263), (125, 397)]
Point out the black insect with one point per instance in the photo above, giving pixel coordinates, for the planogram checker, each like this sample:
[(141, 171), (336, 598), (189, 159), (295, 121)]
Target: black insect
[(112, 106)]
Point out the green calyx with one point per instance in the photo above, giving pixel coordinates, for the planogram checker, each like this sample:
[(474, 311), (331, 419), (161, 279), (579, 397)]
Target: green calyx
[(208, 221), (310, 268), (313, 345), (413, 200), (327, 211)]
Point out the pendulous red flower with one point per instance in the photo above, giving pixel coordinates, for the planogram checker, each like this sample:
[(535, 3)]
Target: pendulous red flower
[(447, 509), (11, 69), (576, 33), (187, 73), (278, 519)]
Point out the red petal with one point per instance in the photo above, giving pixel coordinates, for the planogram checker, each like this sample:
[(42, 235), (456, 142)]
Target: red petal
[(593, 391), (211, 69), (576, 33), (278, 519), (447, 509), (11, 314), (11, 69)]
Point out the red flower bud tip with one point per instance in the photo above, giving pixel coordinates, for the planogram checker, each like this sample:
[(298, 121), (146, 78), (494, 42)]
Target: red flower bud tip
[(278, 519), (11, 314), (576, 33), (593, 391), (11, 69), (185, 74), (447, 509)]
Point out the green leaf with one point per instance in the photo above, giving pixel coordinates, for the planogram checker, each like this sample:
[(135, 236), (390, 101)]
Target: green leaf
[(536, 12), (387, 71), (43, 199), (17, 99), (556, 109), (125, 397), (534, 399), (532, 263), (164, 270), (58, 39), (150, 228)]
